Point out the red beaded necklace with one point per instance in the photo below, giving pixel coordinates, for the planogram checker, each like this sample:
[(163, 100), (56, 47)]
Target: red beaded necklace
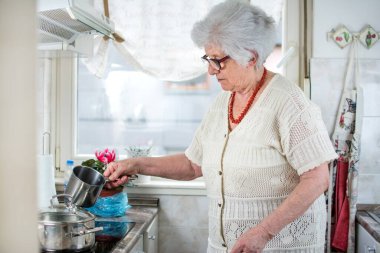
[(250, 101)]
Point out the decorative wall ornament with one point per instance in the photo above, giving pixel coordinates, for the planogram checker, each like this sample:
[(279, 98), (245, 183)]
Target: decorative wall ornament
[(368, 36), (343, 37)]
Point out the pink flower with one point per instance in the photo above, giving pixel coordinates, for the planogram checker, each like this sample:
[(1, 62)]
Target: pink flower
[(105, 156)]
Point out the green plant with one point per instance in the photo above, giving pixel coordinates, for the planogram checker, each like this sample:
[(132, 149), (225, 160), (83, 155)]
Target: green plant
[(95, 164), (103, 158)]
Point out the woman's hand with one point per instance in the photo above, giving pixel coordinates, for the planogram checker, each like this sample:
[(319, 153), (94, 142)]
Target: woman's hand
[(118, 172), (252, 241)]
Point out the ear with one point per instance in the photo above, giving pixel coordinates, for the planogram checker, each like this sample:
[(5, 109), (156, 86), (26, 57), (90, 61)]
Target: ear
[(253, 60)]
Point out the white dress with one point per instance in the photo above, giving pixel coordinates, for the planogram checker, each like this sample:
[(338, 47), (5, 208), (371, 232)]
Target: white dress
[(251, 170)]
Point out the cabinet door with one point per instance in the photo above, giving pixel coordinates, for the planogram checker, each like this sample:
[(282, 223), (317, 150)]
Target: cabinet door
[(138, 248), (151, 237), (365, 243)]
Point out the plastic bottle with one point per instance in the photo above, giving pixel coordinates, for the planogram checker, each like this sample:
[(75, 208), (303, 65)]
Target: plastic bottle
[(68, 171)]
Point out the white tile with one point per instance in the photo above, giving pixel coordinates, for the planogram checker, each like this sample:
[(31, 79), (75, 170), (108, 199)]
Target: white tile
[(327, 79), (183, 211), (370, 146), (184, 240), (369, 189), (371, 95)]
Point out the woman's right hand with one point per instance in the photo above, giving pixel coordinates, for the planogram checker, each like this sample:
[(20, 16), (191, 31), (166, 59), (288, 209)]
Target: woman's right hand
[(118, 172)]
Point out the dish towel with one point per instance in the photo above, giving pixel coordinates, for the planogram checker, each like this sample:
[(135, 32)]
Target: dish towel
[(344, 171), (342, 212)]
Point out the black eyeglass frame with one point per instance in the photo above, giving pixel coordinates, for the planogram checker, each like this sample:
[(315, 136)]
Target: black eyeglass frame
[(215, 63)]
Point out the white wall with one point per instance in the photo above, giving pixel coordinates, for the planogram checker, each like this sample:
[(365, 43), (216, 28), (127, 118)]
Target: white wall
[(327, 75), (18, 200), (354, 14)]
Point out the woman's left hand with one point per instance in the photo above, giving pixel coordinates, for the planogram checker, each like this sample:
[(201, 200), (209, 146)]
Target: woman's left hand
[(252, 241)]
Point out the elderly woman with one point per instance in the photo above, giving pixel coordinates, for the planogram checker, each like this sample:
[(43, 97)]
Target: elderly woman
[(262, 148)]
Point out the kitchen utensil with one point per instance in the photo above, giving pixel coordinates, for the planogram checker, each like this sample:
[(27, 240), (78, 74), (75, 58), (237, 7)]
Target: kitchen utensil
[(84, 186), (64, 227)]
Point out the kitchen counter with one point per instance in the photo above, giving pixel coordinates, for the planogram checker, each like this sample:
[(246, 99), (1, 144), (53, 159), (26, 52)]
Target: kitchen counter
[(142, 214), (363, 217)]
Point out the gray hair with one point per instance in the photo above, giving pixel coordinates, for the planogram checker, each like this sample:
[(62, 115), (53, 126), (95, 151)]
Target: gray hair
[(239, 29)]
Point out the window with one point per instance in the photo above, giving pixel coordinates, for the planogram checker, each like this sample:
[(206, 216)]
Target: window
[(131, 108)]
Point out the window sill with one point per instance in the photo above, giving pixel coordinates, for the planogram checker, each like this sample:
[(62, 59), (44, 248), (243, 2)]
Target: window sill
[(169, 188), (163, 187)]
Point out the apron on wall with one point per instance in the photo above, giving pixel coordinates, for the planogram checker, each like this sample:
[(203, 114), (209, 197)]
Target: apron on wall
[(344, 171)]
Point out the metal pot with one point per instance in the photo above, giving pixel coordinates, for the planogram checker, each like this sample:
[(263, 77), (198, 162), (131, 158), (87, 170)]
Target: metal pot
[(64, 227), (85, 185)]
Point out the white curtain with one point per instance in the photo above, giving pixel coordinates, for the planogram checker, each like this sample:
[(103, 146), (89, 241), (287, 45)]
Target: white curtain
[(157, 35)]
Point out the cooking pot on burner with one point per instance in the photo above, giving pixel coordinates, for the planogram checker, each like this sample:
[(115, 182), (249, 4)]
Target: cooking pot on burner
[(64, 227)]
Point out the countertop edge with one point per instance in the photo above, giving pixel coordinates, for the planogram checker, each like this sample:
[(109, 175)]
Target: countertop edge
[(369, 224), (142, 216)]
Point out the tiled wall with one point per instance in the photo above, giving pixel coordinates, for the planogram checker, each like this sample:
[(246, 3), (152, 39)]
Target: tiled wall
[(327, 77), (182, 223)]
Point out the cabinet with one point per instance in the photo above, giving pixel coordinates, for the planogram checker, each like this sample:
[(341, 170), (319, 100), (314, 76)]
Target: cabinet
[(151, 237), (365, 243)]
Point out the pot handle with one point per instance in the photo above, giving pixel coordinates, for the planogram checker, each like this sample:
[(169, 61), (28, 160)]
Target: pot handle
[(84, 232), (68, 196), (130, 177), (69, 204)]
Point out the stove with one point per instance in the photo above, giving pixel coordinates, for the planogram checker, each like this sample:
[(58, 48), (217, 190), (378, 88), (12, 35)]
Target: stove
[(113, 231)]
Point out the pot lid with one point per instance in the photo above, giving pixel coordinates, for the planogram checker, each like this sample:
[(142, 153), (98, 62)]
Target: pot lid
[(63, 214)]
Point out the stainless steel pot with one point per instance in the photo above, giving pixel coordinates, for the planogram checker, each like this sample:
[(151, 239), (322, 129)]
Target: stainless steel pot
[(85, 185), (64, 227)]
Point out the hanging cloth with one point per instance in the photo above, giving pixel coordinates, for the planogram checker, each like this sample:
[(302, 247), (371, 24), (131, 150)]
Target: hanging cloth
[(344, 171)]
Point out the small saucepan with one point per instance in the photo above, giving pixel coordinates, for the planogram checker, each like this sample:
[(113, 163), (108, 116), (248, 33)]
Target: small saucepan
[(85, 185)]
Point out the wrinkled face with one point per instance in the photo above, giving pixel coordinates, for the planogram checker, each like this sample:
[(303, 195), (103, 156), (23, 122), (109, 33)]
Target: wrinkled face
[(231, 76)]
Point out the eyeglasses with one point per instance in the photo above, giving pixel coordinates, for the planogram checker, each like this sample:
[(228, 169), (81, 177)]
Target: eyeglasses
[(215, 63)]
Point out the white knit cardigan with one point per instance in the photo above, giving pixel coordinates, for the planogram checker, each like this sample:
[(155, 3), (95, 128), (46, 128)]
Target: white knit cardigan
[(251, 170)]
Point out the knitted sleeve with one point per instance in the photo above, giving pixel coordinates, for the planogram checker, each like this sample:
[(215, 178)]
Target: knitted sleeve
[(194, 151), (305, 139)]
